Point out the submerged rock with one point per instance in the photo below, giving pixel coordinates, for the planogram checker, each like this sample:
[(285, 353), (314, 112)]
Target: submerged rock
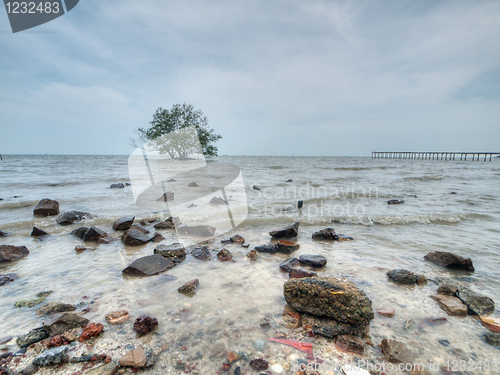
[(296, 273), (193, 184), (145, 324), (7, 278), (92, 234), (197, 230), (168, 223), (157, 237), (287, 247), (477, 304), (267, 248), (388, 313), (134, 237), (40, 297), (175, 252), (36, 232), (492, 338), (139, 228), (33, 336), (395, 351), (225, 255), (189, 288), (288, 264), (259, 364), (51, 356), (57, 324), (69, 217), (237, 239), (124, 223), (117, 186), (253, 255), (167, 197), (55, 307), (107, 369), (288, 231), (406, 277), (135, 358), (452, 305), (325, 234), (216, 201), (117, 317), (201, 253), (312, 260), (3, 234), (148, 266), (10, 253), (91, 330), (350, 344), (46, 207), (255, 187), (395, 201), (448, 287), (449, 260)]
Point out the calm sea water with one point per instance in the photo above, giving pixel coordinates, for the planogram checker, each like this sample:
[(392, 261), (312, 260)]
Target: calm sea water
[(348, 194)]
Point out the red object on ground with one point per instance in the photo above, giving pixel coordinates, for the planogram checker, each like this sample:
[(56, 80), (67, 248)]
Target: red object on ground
[(306, 347)]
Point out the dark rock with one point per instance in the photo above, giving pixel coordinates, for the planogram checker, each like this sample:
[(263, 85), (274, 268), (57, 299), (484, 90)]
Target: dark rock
[(33, 336), (10, 253), (492, 338), (253, 255), (148, 221), (201, 253), (444, 342), (7, 278), (57, 324), (148, 266), (171, 180), (51, 356), (93, 234), (477, 304), (55, 307), (329, 297), (123, 223), (289, 180), (289, 263), (2, 234), (46, 207), (225, 255), (287, 247), (449, 260), (448, 288), (117, 186), (36, 232), (175, 252), (170, 223), (80, 232), (80, 248), (395, 201), (288, 231), (255, 187), (238, 239), (405, 277), (325, 234), (139, 228), (395, 351), (145, 324), (69, 217), (193, 184), (106, 240), (296, 273), (167, 197), (267, 248), (341, 238), (259, 364), (189, 288), (452, 305), (216, 201), (312, 260), (31, 369), (157, 237), (197, 230), (134, 237)]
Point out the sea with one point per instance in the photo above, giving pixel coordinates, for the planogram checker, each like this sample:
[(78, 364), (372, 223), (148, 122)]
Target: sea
[(448, 206)]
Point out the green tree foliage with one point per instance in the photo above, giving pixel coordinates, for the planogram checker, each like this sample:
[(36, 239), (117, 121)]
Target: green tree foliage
[(182, 144)]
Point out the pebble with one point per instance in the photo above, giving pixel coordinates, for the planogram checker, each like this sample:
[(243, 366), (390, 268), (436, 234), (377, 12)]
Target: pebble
[(259, 345), (51, 356), (277, 369)]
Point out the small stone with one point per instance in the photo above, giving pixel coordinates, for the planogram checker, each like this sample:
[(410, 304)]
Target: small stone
[(444, 342), (287, 366), (80, 248), (217, 350), (313, 260), (238, 239), (33, 336), (267, 248), (452, 305), (135, 358), (217, 201), (91, 330), (296, 273), (288, 264), (325, 234), (167, 197), (288, 231), (232, 357), (492, 338), (255, 187), (175, 252), (3, 234), (7, 278), (157, 237), (145, 324), (10, 253), (225, 255), (57, 340), (201, 253), (449, 260), (36, 232), (189, 288), (395, 201), (69, 217), (477, 304), (342, 238), (148, 266), (289, 180), (31, 369), (51, 356), (46, 207), (193, 184), (350, 344), (107, 369), (388, 313), (55, 307), (57, 324), (253, 255), (405, 277), (395, 351), (277, 369), (260, 345), (69, 336), (117, 317), (123, 223), (117, 186), (448, 288), (287, 247)]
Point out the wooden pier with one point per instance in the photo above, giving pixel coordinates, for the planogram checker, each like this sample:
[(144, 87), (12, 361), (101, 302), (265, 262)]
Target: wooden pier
[(434, 155)]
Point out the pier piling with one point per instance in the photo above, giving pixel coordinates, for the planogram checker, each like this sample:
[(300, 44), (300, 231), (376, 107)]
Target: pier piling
[(433, 155)]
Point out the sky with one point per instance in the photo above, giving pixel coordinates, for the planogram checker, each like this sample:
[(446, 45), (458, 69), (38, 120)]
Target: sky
[(281, 77)]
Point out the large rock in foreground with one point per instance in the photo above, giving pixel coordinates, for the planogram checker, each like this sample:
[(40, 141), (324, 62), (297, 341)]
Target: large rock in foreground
[(450, 260), (46, 207), (289, 231), (10, 253), (329, 297), (69, 217), (148, 266)]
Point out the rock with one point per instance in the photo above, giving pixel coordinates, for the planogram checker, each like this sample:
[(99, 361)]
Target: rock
[(253, 255), (395, 201), (40, 297), (296, 273), (170, 223), (288, 264), (259, 364), (255, 187), (106, 240), (10, 253), (91, 330), (189, 288), (312, 260), (267, 248), (80, 248), (134, 358), (289, 180), (216, 201), (117, 317), (448, 287), (57, 341), (93, 234), (148, 220), (492, 338), (201, 253), (33, 336), (341, 238), (117, 186), (148, 266), (329, 297), (69, 217), (157, 237), (197, 230), (7, 278), (225, 255), (477, 304), (51, 356), (139, 228), (395, 351), (69, 336), (36, 232), (175, 252), (405, 277), (350, 344), (107, 369), (124, 223), (145, 324), (31, 369), (325, 234), (237, 239), (288, 231), (80, 232), (330, 328), (55, 307), (193, 184), (388, 313), (287, 247), (2, 234), (452, 305), (57, 324), (449, 260), (134, 237), (5, 339), (167, 197), (46, 207)]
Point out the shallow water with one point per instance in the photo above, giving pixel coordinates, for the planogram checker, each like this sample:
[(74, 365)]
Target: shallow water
[(349, 194)]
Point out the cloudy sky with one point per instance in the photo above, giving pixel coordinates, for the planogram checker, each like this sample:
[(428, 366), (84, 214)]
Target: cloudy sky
[(274, 77)]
